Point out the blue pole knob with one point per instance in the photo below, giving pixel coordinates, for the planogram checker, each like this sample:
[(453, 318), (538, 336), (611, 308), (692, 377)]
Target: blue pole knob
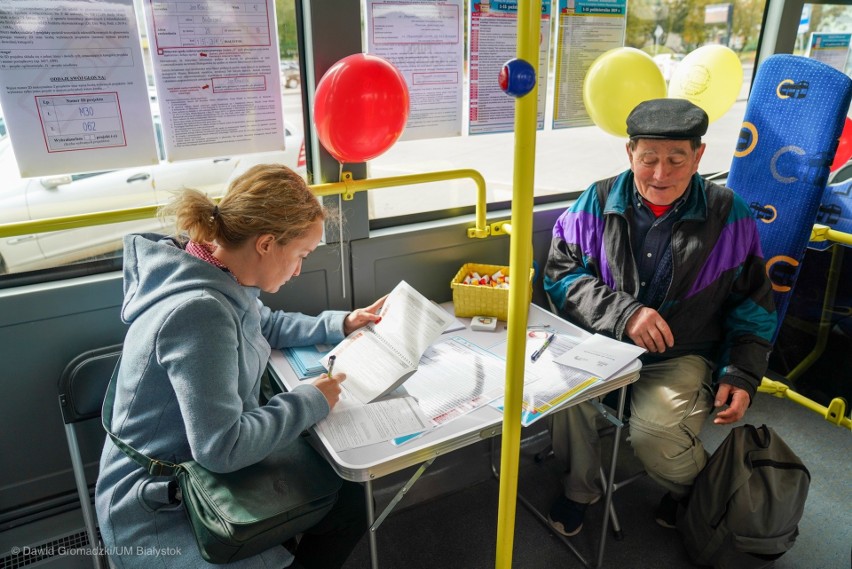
[(517, 77)]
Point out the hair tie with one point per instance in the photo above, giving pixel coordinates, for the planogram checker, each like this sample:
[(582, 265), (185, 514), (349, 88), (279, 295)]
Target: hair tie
[(215, 211)]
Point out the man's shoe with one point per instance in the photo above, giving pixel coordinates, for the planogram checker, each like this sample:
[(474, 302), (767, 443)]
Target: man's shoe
[(666, 514), (566, 516)]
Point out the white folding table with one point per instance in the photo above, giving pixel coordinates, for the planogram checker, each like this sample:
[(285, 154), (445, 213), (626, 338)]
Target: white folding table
[(365, 464)]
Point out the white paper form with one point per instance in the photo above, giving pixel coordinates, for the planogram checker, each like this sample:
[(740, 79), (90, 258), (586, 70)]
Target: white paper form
[(361, 425), (454, 378), (73, 87), (600, 356), (425, 41), (493, 41), (546, 383), (378, 357), (217, 76), (411, 321), (587, 29)]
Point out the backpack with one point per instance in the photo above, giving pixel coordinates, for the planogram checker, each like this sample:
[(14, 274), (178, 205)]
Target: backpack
[(745, 505)]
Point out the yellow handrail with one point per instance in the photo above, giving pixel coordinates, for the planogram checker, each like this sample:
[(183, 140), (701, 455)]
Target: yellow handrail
[(824, 233), (834, 413), (346, 188), (77, 221)]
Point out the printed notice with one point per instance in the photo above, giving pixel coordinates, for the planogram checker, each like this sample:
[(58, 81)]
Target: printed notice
[(831, 49), (72, 86), (587, 29), (217, 77), (493, 41), (425, 41), (600, 356)]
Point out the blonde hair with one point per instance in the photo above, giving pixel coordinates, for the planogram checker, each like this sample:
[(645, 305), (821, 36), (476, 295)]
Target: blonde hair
[(266, 199)]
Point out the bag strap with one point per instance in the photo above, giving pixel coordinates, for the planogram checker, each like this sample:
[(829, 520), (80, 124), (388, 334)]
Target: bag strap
[(153, 466)]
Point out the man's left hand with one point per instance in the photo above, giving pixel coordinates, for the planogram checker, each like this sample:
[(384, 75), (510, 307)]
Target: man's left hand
[(739, 400)]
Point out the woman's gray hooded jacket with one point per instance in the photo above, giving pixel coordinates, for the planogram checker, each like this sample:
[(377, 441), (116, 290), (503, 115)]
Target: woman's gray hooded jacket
[(188, 388)]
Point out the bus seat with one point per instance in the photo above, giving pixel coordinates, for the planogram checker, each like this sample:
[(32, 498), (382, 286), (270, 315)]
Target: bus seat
[(82, 387), (790, 132)]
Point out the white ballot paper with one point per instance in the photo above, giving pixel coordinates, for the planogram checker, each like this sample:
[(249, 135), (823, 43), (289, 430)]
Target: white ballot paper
[(360, 425), (600, 356), (379, 357)]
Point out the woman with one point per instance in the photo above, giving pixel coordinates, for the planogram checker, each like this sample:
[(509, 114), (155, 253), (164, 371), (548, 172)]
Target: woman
[(190, 376)]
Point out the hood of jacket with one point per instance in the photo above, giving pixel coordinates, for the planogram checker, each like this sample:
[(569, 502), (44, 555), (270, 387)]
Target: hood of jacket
[(156, 267)]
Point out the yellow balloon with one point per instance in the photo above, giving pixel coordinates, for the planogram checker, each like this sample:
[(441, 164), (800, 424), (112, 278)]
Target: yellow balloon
[(710, 77), (616, 82)]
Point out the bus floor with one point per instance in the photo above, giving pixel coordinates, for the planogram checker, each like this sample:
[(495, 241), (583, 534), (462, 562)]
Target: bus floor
[(457, 530)]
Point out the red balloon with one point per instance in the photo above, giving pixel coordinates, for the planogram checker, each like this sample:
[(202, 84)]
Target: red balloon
[(360, 107), (844, 148)]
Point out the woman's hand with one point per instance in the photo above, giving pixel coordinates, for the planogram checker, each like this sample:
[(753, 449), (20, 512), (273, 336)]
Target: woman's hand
[(363, 316), (330, 387)]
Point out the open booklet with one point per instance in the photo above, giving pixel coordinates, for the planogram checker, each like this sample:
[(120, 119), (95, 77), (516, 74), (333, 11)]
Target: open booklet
[(378, 358)]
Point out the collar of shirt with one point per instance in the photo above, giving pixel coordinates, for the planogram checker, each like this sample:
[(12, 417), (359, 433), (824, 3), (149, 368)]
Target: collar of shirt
[(204, 251), (639, 201)]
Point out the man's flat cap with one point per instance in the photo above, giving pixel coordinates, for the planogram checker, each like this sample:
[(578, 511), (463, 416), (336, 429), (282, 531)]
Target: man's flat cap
[(675, 119)]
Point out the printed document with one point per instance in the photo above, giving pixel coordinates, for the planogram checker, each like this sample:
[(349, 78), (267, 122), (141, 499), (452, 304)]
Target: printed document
[(600, 356), (360, 425), (548, 383), (378, 358)]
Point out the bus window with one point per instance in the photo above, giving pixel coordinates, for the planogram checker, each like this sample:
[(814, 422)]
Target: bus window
[(569, 159)]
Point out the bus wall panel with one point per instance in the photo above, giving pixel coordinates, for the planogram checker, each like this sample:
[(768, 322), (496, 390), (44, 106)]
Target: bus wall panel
[(43, 327)]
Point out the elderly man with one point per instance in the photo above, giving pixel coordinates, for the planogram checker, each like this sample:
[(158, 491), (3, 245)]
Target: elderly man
[(663, 258)]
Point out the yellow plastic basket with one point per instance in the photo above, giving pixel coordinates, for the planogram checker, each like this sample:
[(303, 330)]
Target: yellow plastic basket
[(473, 300)]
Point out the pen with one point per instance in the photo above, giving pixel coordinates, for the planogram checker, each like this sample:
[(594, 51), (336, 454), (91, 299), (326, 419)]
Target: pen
[(537, 354), (331, 364)]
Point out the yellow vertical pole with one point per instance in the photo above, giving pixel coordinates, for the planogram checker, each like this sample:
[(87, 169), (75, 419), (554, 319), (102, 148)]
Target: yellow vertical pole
[(520, 259)]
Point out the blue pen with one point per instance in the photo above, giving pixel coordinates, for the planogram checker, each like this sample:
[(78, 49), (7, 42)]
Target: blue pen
[(538, 352)]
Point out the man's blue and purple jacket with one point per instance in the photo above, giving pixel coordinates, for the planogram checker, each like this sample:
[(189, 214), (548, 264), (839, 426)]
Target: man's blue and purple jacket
[(719, 301)]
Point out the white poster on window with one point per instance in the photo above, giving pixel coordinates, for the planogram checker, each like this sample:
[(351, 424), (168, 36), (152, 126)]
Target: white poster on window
[(587, 29), (72, 86), (217, 75), (424, 39), (831, 49), (493, 42)]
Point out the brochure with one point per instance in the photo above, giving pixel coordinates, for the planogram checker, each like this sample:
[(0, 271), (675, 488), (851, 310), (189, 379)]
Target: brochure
[(378, 358)]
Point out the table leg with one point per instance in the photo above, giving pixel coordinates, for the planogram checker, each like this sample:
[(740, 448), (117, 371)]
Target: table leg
[(371, 512), (622, 396), (371, 517)]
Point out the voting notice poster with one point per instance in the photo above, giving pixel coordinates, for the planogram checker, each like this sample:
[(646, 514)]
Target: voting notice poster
[(73, 86)]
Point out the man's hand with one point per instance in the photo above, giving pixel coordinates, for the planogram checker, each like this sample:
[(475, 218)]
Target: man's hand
[(737, 405), (330, 387), (362, 316), (648, 330)]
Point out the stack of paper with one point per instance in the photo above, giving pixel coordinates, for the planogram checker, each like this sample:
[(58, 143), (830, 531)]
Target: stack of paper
[(306, 360), (567, 367)]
